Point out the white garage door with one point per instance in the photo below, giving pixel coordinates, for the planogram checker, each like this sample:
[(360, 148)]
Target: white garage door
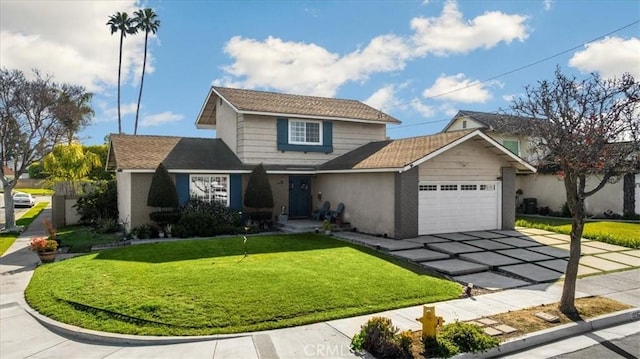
[(458, 206)]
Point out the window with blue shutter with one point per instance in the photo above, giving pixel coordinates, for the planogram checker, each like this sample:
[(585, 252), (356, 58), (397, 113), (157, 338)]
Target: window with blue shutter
[(305, 135)]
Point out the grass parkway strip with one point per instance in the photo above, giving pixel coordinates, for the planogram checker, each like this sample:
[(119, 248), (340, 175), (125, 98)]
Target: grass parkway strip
[(209, 286)]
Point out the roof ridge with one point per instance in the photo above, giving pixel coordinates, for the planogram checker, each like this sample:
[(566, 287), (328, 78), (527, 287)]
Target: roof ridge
[(288, 94)]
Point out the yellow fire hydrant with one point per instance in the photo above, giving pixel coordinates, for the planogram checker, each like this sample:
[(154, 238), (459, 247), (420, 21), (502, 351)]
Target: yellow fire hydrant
[(429, 322)]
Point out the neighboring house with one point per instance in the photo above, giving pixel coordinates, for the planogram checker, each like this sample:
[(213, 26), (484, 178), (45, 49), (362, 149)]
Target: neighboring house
[(317, 149), (547, 188)]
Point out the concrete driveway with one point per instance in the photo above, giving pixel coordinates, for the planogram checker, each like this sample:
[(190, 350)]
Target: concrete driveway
[(503, 259)]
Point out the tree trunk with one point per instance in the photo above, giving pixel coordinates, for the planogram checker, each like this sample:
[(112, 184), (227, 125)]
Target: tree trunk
[(144, 65), (9, 212), (119, 75), (576, 205)]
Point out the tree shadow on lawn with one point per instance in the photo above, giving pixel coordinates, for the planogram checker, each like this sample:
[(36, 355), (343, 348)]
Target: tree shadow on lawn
[(161, 252)]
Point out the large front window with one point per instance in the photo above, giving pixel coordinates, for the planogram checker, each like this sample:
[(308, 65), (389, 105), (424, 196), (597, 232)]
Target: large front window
[(305, 132), (210, 188)]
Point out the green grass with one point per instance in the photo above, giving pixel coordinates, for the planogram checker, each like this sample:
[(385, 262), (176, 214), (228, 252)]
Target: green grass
[(80, 239), (207, 286), (7, 239), (620, 233)]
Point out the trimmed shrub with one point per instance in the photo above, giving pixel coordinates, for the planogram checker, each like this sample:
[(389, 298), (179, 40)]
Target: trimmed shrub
[(457, 338), (206, 219), (100, 203), (162, 191), (381, 339), (165, 217), (258, 193)]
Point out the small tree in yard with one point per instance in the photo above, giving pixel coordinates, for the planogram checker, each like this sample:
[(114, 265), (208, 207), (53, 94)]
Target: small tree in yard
[(587, 128), (162, 194), (258, 194), (35, 115)]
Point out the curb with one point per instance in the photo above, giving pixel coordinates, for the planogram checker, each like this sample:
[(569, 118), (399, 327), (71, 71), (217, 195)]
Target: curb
[(98, 337), (558, 333)]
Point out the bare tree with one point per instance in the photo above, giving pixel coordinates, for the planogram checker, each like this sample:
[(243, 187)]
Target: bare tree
[(35, 116), (587, 129)]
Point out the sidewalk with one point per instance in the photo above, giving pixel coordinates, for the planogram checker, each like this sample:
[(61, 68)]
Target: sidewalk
[(22, 335)]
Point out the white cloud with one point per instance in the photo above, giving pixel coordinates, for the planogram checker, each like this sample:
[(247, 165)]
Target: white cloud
[(548, 4), (160, 119), (451, 33), (106, 113), (508, 98), (383, 98), (458, 88), (424, 110), (70, 40), (448, 109), (610, 57), (310, 69)]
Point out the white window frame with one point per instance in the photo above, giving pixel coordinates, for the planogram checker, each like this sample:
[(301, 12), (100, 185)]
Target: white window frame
[(305, 122), (221, 196), (516, 141)]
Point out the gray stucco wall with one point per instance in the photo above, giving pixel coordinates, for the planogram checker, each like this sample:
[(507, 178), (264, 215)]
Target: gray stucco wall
[(406, 205), (508, 198)]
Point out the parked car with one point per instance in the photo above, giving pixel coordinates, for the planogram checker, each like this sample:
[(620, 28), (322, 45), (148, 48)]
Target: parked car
[(23, 199)]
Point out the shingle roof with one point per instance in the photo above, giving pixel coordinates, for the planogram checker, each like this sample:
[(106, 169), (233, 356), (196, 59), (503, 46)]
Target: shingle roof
[(278, 103), (495, 121), (392, 154), (177, 153)]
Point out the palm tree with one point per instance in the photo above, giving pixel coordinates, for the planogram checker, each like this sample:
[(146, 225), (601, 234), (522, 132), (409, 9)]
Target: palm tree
[(146, 20), (121, 22)]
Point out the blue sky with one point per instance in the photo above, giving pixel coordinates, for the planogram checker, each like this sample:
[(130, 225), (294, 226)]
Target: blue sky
[(407, 58)]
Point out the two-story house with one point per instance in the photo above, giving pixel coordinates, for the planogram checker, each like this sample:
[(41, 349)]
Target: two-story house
[(545, 186), (325, 149)]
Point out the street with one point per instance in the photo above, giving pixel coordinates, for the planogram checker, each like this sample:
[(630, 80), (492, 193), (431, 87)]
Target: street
[(20, 210), (620, 341)]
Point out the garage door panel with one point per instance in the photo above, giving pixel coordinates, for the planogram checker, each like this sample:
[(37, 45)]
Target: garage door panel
[(457, 206)]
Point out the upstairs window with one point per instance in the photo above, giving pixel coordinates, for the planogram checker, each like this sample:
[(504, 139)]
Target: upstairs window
[(305, 132), (513, 146)]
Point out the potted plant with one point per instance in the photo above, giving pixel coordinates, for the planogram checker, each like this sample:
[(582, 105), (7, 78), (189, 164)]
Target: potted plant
[(326, 225), (46, 248), (167, 230)]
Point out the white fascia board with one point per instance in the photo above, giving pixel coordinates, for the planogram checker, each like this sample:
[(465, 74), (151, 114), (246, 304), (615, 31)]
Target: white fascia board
[(203, 106), (209, 171), (288, 172), (363, 170), (183, 171), (464, 139), (205, 127)]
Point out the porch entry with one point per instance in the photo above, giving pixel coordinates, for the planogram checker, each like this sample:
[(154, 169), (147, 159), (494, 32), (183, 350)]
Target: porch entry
[(299, 196)]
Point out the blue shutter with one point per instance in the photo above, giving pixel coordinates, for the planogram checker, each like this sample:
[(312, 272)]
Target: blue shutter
[(182, 186), (283, 133), (327, 136), (235, 191)]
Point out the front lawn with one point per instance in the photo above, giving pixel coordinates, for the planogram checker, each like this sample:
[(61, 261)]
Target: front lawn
[(208, 286), (620, 233), (81, 238)]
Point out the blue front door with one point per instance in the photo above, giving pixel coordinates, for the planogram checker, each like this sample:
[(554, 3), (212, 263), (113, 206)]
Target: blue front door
[(299, 196)]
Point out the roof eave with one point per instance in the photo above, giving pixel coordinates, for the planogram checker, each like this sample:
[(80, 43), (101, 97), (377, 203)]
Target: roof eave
[(515, 159)]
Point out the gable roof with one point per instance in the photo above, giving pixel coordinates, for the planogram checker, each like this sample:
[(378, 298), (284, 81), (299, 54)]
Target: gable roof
[(403, 154), (129, 152), (287, 105), (494, 121)]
